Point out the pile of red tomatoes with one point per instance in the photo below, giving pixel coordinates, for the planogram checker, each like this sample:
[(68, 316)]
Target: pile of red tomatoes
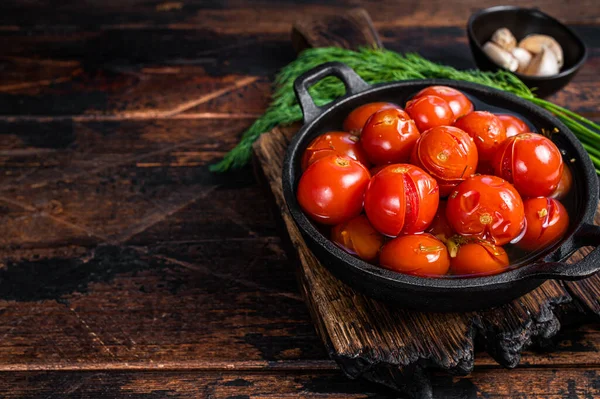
[(436, 188)]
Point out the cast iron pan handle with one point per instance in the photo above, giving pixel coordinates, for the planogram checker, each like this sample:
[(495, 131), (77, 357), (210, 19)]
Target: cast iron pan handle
[(588, 234), (354, 84)]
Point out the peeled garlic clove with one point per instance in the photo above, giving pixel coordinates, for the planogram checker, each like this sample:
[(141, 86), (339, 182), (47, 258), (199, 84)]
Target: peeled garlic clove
[(543, 64), (504, 38), (534, 43), (523, 56), (501, 56)]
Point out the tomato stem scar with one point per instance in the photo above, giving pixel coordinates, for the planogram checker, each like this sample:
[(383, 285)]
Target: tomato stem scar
[(542, 213), (486, 218), (342, 162)]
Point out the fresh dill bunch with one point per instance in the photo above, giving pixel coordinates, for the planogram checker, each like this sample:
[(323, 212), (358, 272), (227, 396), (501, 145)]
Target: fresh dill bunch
[(381, 66)]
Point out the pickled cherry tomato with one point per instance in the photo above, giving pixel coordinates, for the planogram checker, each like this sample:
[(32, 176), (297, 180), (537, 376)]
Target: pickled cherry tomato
[(357, 237), (416, 254), (430, 111), (547, 222), (448, 154), (479, 258), (487, 131), (564, 185), (486, 207), (531, 162), (334, 143), (513, 125), (389, 136), (440, 227), (458, 102), (331, 190), (401, 198), (356, 119)]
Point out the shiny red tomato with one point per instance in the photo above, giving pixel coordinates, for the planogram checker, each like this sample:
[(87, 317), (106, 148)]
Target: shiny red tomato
[(358, 237), (487, 131), (331, 190), (416, 254), (459, 103), (334, 143), (430, 111), (486, 207), (356, 119), (448, 154), (531, 162), (564, 185), (513, 125), (440, 227), (401, 198), (547, 222), (389, 136), (479, 257)]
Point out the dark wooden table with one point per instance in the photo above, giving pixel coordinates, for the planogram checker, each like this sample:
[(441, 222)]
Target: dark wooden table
[(127, 268)]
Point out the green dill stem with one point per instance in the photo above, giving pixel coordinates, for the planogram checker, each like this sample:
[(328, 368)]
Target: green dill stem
[(565, 111), (379, 66)]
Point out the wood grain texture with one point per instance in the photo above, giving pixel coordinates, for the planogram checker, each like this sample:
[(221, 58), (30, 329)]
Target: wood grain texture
[(352, 29), (238, 16), (302, 384), (62, 77)]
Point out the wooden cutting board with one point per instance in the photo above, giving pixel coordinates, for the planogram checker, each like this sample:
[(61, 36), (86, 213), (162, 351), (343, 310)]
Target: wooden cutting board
[(384, 343)]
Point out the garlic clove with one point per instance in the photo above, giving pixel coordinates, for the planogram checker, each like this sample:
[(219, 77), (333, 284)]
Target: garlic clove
[(523, 56), (504, 38), (543, 63), (501, 56), (534, 43)]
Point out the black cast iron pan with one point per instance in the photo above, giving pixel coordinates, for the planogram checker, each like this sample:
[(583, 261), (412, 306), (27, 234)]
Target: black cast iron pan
[(444, 294)]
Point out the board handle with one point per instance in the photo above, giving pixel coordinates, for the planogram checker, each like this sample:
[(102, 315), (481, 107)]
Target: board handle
[(353, 83), (587, 235)]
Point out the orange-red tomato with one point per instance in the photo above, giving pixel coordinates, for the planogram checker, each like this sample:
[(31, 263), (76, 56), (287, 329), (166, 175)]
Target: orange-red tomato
[(356, 119), (513, 125), (486, 207), (479, 258), (487, 131), (448, 154), (459, 103), (531, 162), (429, 111), (331, 190), (416, 254), (358, 237), (440, 227), (564, 185), (401, 198), (547, 222), (334, 143), (389, 136)]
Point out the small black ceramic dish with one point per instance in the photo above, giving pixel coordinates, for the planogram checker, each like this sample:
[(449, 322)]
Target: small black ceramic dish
[(522, 22), (443, 294)]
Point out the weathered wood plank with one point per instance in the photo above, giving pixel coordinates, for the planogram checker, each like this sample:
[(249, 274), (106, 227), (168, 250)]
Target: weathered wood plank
[(35, 153), (352, 29), (527, 383), (238, 16), (172, 78), (141, 306)]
